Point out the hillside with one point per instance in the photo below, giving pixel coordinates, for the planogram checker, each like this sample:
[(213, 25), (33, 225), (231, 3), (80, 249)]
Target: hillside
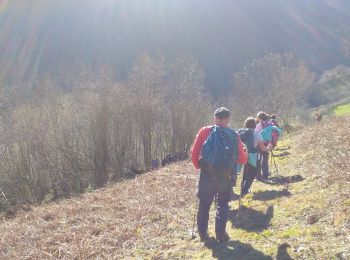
[(333, 88), (303, 213), (45, 35), (342, 110)]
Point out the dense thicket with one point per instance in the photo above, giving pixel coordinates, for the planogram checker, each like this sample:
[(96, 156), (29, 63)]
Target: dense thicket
[(275, 83), (81, 127), (57, 142)]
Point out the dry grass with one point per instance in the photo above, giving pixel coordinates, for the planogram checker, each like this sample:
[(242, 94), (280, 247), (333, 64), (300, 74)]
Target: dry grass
[(106, 223), (149, 217), (326, 150), (323, 158)]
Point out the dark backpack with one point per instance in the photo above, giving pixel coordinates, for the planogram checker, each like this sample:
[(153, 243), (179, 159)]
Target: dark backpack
[(247, 137), (219, 152)]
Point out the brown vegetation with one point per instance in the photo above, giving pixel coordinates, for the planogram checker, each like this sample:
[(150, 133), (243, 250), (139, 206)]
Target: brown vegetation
[(304, 214), (81, 128), (275, 83), (327, 152), (109, 223)]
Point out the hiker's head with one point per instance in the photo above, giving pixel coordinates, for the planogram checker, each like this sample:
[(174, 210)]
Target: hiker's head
[(250, 123), (261, 116), (273, 117), (222, 116)]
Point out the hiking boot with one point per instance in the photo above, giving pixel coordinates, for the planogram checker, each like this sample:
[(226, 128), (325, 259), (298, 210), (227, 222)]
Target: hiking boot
[(203, 236), (222, 238)]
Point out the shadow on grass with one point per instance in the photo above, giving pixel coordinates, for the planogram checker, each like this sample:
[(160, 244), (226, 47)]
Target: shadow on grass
[(281, 180), (282, 253), (283, 148), (271, 194), (234, 250), (279, 155), (250, 219)]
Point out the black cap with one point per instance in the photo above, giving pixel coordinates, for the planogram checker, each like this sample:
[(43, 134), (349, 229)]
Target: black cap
[(222, 112)]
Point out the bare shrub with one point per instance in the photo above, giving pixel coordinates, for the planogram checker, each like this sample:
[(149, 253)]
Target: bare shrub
[(82, 128), (328, 154), (275, 83)]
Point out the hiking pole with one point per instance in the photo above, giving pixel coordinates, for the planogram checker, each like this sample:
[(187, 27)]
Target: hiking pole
[(193, 235), (3, 194), (239, 205), (271, 160), (240, 197), (274, 162)]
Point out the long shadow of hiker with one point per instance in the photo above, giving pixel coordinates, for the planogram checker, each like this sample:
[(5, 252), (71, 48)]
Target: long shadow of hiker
[(282, 253), (234, 250), (250, 219), (280, 180), (271, 194)]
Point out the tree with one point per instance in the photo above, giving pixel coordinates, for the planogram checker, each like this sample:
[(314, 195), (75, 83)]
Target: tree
[(81, 128), (146, 88), (275, 83), (187, 106)]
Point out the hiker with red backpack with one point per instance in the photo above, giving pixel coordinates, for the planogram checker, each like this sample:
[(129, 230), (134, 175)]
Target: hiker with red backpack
[(270, 134), (215, 151), (254, 143)]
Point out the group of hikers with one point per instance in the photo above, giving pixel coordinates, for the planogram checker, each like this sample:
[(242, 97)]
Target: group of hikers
[(220, 152)]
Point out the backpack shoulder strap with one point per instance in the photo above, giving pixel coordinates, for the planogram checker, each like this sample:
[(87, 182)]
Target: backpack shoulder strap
[(235, 136)]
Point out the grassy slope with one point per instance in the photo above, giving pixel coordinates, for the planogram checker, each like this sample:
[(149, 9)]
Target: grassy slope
[(303, 214), (336, 89), (342, 110)]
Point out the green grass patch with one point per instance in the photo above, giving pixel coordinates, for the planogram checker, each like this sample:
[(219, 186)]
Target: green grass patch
[(346, 203), (267, 233), (308, 233), (342, 110), (247, 236), (295, 232)]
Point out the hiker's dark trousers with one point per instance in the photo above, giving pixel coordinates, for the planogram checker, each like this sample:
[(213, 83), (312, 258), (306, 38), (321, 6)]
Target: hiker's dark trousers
[(249, 174), (208, 189), (264, 164)]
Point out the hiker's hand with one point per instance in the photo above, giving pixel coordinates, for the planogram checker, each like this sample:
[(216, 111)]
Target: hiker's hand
[(270, 147)]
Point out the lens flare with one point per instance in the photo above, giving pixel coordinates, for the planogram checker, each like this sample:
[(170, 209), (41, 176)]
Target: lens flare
[(3, 4)]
